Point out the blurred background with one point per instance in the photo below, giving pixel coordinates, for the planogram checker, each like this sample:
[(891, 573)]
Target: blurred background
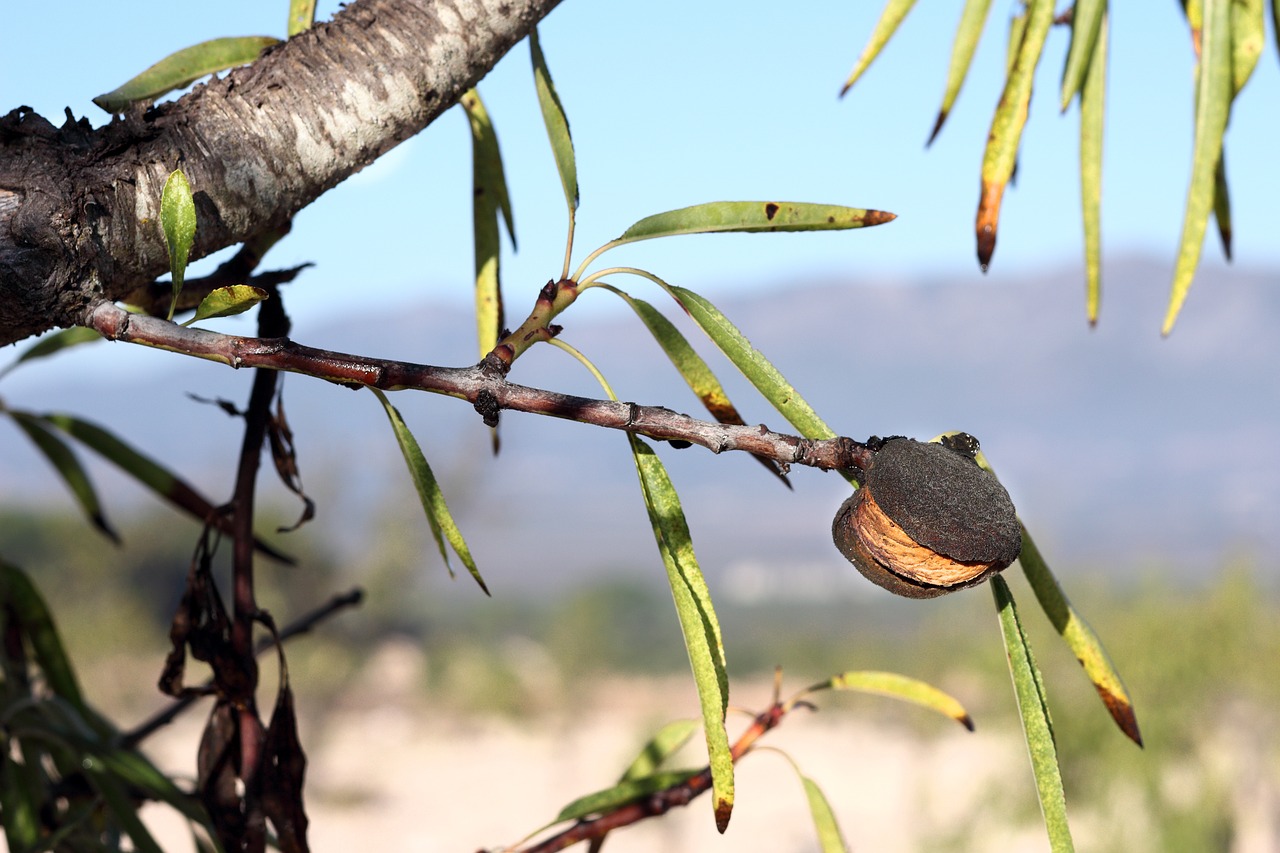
[(1145, 467)]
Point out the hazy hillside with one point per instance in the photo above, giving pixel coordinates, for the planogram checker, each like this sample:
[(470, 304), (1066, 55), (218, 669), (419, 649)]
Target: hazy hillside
[(1119, 448)]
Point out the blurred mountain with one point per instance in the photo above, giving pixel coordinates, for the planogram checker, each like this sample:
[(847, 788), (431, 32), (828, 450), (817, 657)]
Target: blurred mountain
[(1123, 451)]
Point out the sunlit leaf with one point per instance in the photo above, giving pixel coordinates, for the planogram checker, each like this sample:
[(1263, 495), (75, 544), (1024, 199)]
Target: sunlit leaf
[(169, 486), (302, 14), (68, 466), (557, 124), (830, 839), (1213, 103), (178, 220), (1092, 115), (697, 619), (901, 687), (752, 216), (659, 748), (1248, 32), (890, 18), (184, 67), (443, 527), (1029, 688), (1006, 127), (692, 368), (1086, 23), (1080, 638), (54, 343), (624, 792), (227, 302), (972, 20), (489, 197)]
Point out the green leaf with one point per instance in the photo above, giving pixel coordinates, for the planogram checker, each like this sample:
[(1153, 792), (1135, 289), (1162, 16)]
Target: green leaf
[(972, 20), (25, 602), (185, 67), (557, 125), (120, 804), (227, 302), (1006, 127), (1248, 32), (142, 776), (1213, 103), (178, 220), (68, 466), (302, 14), (1029, 689), (54, 343), (890, 18), (1275, 21), (1222, 204), (697, 619), (169, 486), (899, 687), (751, 216), (830, 839), (1080, 638), (1092, 116), (20, 805), (692, 368), (443, 527), (622, 793), (780, 393), (489, 197), (1086, 23), (668, 740)]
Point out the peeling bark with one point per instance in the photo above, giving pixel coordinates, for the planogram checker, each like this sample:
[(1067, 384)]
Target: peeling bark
[(79, 208)]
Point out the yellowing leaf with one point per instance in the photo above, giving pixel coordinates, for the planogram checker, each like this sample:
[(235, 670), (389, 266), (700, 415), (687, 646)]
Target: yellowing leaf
[(227, 302)]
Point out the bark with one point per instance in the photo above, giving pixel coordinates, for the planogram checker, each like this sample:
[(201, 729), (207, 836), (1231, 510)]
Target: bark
[(79, 207)]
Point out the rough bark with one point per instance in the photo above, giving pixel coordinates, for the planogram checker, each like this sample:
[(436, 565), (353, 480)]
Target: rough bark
[(79, 207)]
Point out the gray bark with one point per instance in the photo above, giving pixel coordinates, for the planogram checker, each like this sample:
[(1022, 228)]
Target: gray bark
[(79, 208)]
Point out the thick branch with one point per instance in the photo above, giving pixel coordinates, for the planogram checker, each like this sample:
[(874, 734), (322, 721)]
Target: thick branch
[(79, 208), (484, 386)]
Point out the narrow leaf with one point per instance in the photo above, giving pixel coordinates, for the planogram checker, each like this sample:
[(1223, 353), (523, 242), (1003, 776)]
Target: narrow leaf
[(780, 393), (1086, 23), (669, 739), (184, 67), (489, 196), (20, 806), (28, 606), (890, 18), (1006, 127), (830, 839), (302, 14), (557, 124), (897, 686), (54, 343), (1248, 32), (1029, 690), (624, 792), (178, 220), (697, 617), (227, 302), (1222, 204), (972, 20), (443, 527), (692, 368), (1092, 116), (1275, 22), (121, 806), (752, 216), (1213, 103), (68, 466), (1080, 638), (169, 486)]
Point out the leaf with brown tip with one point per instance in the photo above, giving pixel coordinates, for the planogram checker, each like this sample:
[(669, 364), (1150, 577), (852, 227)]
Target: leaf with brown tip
[(972, 20)]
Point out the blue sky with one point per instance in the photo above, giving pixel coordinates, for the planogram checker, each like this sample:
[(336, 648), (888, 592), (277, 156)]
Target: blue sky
[(674, 103)]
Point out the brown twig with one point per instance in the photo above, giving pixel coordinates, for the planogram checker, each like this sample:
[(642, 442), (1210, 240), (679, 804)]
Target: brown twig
[(483, 385), (661, 802)]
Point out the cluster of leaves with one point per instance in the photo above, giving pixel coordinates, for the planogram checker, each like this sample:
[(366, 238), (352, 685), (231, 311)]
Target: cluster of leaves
[(1227, 38), (500, 349)]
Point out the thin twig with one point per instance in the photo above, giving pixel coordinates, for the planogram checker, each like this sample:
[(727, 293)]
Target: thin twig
[(660, 802), (483, 385)]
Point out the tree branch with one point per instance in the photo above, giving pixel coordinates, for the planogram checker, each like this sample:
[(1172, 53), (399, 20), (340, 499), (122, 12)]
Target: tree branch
[(484, 386), (79, 207)]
